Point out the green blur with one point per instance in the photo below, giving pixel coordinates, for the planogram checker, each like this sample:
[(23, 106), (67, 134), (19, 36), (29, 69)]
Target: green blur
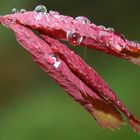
[(34, 107)]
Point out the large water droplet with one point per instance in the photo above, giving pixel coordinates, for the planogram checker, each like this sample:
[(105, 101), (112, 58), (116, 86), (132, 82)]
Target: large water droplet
[(22, 10), (53, 60), (74, 39), (41, 8), (14, 10), (83, 20)]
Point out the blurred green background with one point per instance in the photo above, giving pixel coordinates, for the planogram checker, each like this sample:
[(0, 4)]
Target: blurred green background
[(34, 107)]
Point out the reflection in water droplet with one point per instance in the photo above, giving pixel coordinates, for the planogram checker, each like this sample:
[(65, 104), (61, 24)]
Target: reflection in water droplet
[(22, 11), (40, 8), (74, 39), (14, 10), (83, 20), (111, 29), (53, 60)]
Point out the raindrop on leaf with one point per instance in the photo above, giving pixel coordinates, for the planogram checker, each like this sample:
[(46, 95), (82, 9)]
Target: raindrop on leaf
[(41, 8), (22, 11), (74, 39), (14, 10), (102, 27), (83, 20), (53, 60)]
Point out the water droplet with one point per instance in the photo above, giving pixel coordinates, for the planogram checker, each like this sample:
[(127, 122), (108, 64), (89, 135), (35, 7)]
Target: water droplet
[(41, 8), (53, 60), (111, 29), (102, 27), (83, 20), (14, 10), (118, 102), (128, 114), (118, 47), (22, 11), (74, 39)]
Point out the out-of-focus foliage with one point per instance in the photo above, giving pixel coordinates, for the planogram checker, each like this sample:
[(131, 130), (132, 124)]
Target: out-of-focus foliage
[(33, 107)]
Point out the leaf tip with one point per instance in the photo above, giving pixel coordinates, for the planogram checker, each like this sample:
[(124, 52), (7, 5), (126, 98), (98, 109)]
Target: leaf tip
[(135, 124)]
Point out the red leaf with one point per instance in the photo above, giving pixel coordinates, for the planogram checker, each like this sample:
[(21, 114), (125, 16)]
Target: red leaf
[(90, 77), (43, 54), (93, 36), (77, 78)]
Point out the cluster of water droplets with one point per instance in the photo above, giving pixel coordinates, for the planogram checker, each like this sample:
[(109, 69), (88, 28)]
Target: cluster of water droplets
[(38, 9), (74, 38), (15, 10), (53, 59)]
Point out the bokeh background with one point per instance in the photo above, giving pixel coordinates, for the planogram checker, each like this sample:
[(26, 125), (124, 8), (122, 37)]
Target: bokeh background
[(34, 107)]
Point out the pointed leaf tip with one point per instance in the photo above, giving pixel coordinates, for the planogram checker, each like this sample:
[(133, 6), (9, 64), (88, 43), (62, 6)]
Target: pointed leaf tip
[(106, 114), (135, 124)]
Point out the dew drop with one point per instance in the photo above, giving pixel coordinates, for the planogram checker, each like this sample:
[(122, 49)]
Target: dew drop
[(102, 27), (53, 60), (118, 102), (128, 114), (118, 47), (83, 20), (40, 8), (111, 29), (22, 11), (14, 10), (74, 39)]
